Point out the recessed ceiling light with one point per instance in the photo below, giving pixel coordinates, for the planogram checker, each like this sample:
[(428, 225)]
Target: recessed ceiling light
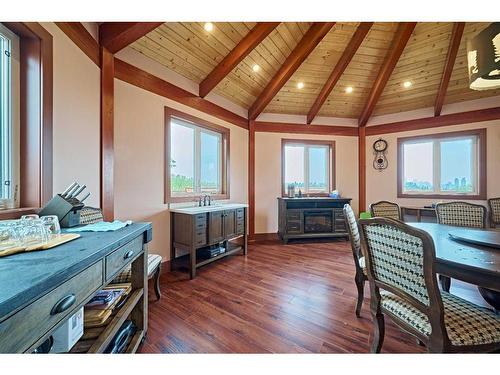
[(300, 85), (407, 84), (209, 26), (256, 68), (348, 89)]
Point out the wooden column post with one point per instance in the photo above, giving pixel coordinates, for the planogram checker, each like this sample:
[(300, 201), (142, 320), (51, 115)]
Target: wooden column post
[(362, 168), (251, 178), (107, 133)]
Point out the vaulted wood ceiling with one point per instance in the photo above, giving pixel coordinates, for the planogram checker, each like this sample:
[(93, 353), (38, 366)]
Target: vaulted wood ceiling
[(193, 52)]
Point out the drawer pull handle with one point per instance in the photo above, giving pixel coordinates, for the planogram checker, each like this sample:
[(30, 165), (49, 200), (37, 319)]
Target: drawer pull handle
[(129, 254), (63, 304)]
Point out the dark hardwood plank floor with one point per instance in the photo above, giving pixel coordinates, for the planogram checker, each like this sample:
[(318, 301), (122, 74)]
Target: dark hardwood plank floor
[(296, 298)]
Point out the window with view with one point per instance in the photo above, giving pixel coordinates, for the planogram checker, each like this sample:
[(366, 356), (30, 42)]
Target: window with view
[(197, 159), (448, 164), (308, 166), (9, 117)]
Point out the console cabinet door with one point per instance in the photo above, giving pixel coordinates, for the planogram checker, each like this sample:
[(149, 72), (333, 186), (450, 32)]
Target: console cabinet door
[(229, 224), (215, 227)]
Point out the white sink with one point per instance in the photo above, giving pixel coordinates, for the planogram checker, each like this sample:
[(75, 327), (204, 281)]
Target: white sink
[(215, 207)]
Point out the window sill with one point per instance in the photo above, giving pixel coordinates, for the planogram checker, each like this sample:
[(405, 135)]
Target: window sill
[(444, 196), (195, 198), (16, 213)]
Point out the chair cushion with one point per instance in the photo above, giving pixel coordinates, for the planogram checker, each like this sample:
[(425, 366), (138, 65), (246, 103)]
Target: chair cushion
[(466, 323), (154, 261)]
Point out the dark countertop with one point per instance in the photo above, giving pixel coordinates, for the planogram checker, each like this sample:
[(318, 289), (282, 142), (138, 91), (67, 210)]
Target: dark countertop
[(28, 276)]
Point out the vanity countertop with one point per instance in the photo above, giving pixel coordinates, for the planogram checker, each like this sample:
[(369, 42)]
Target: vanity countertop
[(217, 207)]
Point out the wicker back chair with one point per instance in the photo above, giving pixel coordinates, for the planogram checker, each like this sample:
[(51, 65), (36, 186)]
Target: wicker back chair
[(359, 261), (461, 214), (494, 205), (386, 209), (400, 266)]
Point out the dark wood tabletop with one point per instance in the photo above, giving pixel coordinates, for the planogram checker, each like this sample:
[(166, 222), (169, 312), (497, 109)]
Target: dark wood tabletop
[(472, 263)]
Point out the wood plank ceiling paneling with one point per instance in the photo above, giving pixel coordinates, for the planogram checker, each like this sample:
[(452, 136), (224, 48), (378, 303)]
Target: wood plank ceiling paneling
[(189, 50)]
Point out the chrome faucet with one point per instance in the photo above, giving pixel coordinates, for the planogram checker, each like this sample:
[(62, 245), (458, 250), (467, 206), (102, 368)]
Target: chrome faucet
[(205, 200)]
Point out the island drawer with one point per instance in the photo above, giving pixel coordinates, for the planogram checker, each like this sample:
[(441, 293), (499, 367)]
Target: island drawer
[(35, 320), (121, 257)]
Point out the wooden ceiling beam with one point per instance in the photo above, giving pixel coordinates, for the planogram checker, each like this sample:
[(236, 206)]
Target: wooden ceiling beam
[(82, 38), (456, 38), (403, 34), (339, 69), (306, 45), (115, 36), (237, 54), (468, 117)]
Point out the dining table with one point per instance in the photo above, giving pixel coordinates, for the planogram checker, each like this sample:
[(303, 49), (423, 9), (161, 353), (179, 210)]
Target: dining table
[(465, 254)]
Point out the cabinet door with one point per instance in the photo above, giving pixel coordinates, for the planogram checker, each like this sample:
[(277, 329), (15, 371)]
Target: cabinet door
[(215, 227), (229, 223)]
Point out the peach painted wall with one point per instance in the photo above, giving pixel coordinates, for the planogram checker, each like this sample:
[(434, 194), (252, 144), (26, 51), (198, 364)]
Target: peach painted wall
[(383, 185), (139, 160), (268, 174), (76, 118)]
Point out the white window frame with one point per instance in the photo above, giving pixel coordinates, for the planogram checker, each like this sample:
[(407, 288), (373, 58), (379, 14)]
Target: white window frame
[(478, 159), (329, 171), (198, 130), (9, 114)]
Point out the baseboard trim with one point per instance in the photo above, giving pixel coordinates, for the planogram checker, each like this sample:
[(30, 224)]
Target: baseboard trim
[(165, 267), (259, 237)]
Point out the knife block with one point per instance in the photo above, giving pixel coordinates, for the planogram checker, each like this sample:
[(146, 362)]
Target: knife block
[(67, 210)]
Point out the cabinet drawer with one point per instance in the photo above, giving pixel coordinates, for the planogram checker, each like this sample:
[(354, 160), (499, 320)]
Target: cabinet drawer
[(340, 226), (200, 237), (240, 221), (240, 213), (293, 215), (200, 220), (118, 259), (240, 228), (293, 227), (20, 331)]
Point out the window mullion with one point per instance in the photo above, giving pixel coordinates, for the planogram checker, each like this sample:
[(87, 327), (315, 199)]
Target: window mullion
[(306, 169), (436, 161), (197, 161)]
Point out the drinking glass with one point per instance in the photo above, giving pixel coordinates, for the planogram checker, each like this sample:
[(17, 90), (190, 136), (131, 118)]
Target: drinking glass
[(10, 235), (51, 222), (30, 217), (33, 232)]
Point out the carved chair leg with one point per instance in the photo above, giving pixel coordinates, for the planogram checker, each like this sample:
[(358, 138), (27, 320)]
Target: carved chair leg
[(360, 284), (378, 337), (445, 282), (157, 282)]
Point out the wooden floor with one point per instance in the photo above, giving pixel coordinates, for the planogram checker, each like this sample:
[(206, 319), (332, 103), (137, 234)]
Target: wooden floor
[(296, 298)]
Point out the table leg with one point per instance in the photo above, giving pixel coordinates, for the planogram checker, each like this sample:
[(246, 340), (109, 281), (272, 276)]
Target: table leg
[(419, 215)]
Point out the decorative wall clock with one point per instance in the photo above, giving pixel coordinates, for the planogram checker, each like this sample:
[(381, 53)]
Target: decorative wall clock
[(379, 149)]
